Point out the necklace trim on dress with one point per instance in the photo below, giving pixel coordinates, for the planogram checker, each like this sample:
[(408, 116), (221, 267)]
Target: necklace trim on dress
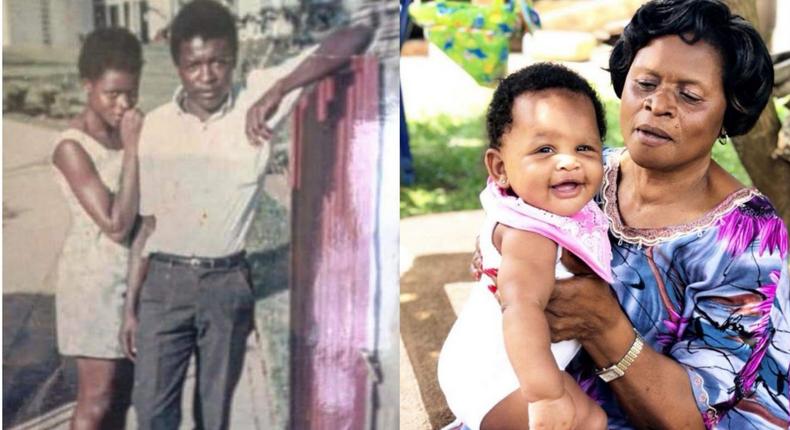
[(654, 236)]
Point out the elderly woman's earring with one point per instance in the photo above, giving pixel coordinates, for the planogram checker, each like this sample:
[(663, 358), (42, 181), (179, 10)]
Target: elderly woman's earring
[(502, 180), (723, 137)]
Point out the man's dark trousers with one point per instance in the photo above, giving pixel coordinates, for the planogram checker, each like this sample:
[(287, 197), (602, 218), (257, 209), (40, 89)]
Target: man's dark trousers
[(186, 309)]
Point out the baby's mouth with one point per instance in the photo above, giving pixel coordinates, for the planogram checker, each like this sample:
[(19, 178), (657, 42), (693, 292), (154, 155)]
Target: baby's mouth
[(567, 189), (566, 186)]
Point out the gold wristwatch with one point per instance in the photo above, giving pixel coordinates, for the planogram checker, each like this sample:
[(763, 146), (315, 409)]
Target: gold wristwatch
[(611, 373)]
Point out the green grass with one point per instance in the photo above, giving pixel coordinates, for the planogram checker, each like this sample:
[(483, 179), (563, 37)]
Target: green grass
[(448, 165)]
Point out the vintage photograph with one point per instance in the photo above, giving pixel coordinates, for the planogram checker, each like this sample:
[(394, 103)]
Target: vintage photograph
[(200, 216)]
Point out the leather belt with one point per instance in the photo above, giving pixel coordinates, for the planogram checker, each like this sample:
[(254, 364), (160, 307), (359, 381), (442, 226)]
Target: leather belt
[(227, 262)]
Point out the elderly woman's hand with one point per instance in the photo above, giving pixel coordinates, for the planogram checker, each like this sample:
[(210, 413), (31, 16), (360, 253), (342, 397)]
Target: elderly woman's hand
[(582, 308)]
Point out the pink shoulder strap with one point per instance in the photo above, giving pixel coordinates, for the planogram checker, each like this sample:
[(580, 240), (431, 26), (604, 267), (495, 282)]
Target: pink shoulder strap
[(585, 234)]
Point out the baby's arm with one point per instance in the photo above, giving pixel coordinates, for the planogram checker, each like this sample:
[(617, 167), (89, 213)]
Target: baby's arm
[(525, 283)]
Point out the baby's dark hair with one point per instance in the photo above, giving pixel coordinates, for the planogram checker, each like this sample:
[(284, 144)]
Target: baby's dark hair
[(206, 19), (109, 48), (748, 73), (531, 79)]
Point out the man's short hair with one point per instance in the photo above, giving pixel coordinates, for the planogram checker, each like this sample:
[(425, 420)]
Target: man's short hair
[(206, 19), (109, 48)]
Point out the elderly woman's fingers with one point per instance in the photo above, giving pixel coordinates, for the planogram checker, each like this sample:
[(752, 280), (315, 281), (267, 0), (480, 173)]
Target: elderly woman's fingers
[(560, 328), (581, 307)]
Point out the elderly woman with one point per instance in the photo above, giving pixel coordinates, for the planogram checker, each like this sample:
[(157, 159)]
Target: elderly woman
[(697, 333)]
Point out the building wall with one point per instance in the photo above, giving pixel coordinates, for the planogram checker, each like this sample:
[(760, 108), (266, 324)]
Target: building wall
[(46, 22), (22, 22), (6, 28), (159, 14), (70, 20)]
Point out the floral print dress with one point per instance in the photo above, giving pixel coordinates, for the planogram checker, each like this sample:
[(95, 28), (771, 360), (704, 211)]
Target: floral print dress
[(714, 295), (91, 271)]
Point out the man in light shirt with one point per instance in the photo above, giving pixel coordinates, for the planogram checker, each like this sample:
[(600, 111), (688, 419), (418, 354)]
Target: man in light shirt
[(201, 158)]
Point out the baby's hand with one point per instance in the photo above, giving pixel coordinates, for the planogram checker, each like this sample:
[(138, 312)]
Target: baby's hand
[(553, 414)]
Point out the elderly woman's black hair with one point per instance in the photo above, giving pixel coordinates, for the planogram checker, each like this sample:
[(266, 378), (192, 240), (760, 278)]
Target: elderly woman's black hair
[(746, 64), (205, 19), (109, 48), (534, 78)]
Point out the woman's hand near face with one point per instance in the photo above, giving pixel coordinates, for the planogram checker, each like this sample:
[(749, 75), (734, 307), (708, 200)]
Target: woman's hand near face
[(131, 124)]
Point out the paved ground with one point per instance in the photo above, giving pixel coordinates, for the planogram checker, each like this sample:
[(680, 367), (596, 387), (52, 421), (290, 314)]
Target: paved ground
[(38, 385), (435, 255)]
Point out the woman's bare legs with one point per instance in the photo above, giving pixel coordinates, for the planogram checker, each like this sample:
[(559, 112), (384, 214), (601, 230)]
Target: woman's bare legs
[(104, 393), (511, 412)]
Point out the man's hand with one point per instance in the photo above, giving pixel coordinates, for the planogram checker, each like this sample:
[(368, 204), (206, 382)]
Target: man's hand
[(260, 112), (127, 336), (553, 414)]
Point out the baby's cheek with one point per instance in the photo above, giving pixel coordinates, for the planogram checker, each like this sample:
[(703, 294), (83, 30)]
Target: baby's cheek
[(595, 170)]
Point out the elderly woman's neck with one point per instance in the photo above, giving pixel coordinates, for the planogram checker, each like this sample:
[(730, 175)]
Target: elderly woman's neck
[(656, 186), (649, 198)]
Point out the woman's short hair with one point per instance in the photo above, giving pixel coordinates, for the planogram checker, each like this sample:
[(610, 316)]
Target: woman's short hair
[(748, 73), (109, 48), (531, 79), (206, 19)]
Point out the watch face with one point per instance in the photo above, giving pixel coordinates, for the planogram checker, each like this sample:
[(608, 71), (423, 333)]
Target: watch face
[(610, 374), (607, 375)]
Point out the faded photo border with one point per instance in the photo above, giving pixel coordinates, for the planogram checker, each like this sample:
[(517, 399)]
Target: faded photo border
[(323, 242)]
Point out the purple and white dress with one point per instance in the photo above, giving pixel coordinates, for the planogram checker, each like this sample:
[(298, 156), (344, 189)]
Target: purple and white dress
[(714, 296)]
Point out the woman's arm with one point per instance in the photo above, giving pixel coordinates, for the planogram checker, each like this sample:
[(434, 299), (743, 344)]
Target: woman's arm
[(585, 309), (114, 214), (525, 282), (137, 269)]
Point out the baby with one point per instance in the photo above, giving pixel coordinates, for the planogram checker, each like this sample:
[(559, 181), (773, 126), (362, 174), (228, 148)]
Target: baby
[(498, 368)]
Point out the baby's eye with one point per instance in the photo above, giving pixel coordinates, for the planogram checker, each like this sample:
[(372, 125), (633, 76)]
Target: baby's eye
[(585, 148), (545, 150)]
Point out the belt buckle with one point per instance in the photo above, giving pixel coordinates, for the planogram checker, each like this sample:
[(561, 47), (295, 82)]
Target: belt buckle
[(194, 262)]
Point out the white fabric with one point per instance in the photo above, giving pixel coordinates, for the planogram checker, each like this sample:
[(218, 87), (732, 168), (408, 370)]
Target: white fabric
[(474, 371), (91, 271), (201, 179)]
